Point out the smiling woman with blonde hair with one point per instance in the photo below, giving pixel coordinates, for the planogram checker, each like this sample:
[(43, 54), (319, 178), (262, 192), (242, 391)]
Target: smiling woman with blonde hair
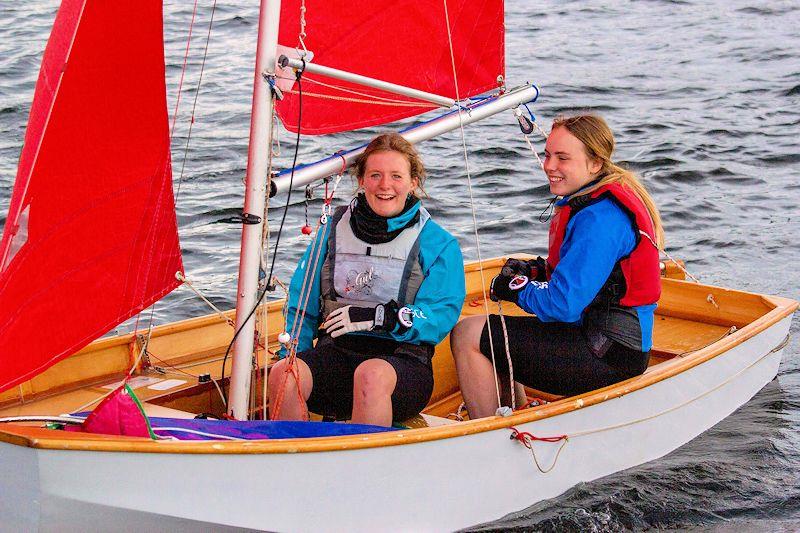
[(593, 297), (382, 295)]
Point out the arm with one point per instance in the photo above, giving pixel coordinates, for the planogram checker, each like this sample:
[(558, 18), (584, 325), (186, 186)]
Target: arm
[(438, 303), (597, 237), (310, 321)]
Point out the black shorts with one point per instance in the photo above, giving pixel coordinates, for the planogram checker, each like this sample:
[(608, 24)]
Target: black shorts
[(557, 358), (333, 364)]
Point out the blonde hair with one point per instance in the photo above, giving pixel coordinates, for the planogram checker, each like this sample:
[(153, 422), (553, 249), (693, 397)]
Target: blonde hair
[(598, 141), (393, 142)]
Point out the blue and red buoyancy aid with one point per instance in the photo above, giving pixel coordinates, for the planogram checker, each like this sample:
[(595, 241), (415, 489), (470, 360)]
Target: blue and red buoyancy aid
[(636, 279)]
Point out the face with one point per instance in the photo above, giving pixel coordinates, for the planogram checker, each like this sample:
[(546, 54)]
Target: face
[(387, 182), (566, 163)]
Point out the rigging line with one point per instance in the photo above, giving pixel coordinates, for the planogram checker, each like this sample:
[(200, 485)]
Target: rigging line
[(664, 251), (365, 95), (508, 357), (302, 34), (297, 325), (196, 95), (283, 220), (472, 204), (364, 101), (305, 288), (172, 132), (216, 309), (181, 371), (145, 340), (263, 259), (183, 72)]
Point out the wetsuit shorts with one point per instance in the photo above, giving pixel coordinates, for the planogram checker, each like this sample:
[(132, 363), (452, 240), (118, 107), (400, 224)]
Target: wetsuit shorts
[(558, 358), (334, 361)]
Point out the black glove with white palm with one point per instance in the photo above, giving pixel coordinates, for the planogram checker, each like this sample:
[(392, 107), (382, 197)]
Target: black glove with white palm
[(350, 318)]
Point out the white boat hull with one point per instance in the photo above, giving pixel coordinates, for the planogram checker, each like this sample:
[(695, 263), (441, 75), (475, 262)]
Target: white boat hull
[(436, 485)]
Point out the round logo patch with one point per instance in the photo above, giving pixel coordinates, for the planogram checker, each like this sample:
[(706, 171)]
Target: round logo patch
[(517, 282), (406, 316)]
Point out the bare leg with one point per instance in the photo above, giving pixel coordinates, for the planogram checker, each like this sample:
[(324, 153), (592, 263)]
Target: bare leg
[(373, 384), (292, 407), (522, 397), (475, 371)]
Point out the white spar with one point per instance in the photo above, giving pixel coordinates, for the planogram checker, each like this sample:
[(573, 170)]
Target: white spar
[(448, 122)]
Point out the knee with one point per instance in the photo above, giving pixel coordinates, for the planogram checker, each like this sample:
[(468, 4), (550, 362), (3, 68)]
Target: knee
[(466, 335), (374, 378), (278, 375)]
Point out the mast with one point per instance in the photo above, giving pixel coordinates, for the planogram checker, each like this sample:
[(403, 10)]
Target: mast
[(255, 194)]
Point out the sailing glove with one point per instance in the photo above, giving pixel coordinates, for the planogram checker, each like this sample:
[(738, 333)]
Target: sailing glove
[(507, 287), (533, 269), (350, 318)]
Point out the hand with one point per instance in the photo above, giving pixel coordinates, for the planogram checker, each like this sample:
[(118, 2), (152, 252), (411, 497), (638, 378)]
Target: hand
[(350, 318), (507, 287), (533, 269)]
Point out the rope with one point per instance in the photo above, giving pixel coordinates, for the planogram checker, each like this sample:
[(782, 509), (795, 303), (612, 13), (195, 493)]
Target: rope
[(527, 440), (195, 376), (391, 101), (280, 228), (710, 298), (302, 34), (300, 312), (315, 252), (508, 356), (183, 72), (196, 95), (363, 101), (530, 438), (472, 203), (216, 309), (264, 259)]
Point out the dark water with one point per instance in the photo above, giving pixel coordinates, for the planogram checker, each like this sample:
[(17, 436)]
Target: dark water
[(705, 100)]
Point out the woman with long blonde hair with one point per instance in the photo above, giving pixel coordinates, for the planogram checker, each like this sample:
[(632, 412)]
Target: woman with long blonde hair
[(593, 297)]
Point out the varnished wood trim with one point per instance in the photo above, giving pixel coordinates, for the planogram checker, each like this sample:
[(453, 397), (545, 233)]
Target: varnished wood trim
[(46, 439)]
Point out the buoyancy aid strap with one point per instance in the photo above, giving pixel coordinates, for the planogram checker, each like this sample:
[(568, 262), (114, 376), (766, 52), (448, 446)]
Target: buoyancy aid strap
[(413, 259), (406, 295), (331, 257)]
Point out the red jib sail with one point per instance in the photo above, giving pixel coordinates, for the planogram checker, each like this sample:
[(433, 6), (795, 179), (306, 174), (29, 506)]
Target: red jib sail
[(91, 235), (400, 41)]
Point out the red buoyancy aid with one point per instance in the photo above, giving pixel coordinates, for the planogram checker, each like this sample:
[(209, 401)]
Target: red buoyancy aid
[(641, 268)]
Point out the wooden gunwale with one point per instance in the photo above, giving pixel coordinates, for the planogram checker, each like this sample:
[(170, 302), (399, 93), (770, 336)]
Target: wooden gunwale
[(47, 439)]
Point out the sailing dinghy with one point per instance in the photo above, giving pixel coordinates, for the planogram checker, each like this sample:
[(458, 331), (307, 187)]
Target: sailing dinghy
[(92, 214)]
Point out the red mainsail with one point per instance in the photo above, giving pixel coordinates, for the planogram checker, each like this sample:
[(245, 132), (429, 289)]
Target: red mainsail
[(400, 41), (91, 235)]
